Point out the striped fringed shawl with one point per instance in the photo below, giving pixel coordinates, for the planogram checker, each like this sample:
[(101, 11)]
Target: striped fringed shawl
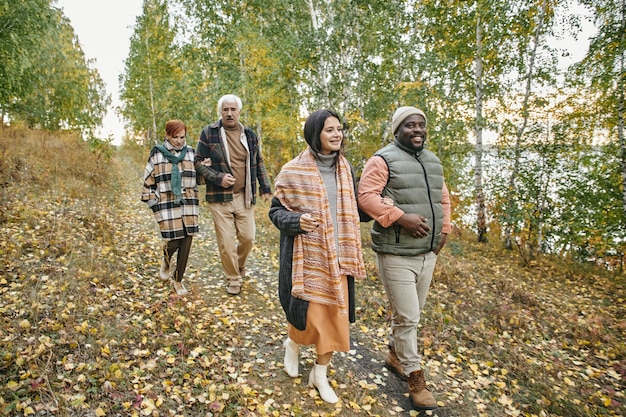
[(318, 261)]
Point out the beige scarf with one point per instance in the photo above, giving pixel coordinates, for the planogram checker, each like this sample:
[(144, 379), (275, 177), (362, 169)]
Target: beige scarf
[(319, 262)]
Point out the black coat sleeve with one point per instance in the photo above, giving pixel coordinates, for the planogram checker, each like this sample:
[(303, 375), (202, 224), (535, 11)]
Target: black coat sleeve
[(288, 222)]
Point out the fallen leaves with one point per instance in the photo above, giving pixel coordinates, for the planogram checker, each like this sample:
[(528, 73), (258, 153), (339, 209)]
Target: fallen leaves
[(88, 328)]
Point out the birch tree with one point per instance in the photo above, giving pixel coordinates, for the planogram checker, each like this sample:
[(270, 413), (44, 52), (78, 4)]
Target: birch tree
[(474, 45), (534, 73), (604, 71), (599, 109), (149, 69)]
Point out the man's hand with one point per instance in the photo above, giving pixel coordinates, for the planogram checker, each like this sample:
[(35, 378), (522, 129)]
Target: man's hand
[(266, 197), (442, 242), (414, 224), (228, 181)]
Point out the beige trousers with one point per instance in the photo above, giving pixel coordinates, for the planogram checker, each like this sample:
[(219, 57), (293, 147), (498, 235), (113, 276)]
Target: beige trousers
[(406, 280), (235, 231)]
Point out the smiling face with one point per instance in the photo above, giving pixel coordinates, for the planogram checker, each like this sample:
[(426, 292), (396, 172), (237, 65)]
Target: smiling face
[(230, 114), (412, 132), (331, 136)]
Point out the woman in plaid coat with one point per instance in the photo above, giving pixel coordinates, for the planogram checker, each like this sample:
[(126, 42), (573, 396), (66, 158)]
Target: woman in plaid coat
[(171, 191)]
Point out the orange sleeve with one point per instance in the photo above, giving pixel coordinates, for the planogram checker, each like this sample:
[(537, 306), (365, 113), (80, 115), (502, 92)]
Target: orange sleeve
[(373, 180), (447, 210)]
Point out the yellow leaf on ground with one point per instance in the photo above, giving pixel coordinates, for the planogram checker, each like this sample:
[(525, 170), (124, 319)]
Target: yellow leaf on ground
[(105, 351)]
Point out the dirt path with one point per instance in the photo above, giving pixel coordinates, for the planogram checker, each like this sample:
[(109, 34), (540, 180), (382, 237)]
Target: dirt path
[(256, 325)]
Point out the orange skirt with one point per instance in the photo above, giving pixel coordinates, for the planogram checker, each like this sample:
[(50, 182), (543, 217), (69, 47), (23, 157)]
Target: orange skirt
[(326, 328)]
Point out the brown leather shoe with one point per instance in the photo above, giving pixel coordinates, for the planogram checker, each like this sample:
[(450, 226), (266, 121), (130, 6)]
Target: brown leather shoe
[(393, 364), (421, 398)]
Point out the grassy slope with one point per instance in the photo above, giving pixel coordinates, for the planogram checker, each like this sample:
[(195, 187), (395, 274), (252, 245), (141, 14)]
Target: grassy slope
[(88, 329)]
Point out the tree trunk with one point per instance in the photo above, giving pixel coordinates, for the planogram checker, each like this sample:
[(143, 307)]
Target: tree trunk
[(508, 221), (322, 79), (620, 111), (478, 176), (154, 128)]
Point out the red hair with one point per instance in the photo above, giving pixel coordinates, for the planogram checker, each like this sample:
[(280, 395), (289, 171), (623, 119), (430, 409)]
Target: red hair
[(174, 126)]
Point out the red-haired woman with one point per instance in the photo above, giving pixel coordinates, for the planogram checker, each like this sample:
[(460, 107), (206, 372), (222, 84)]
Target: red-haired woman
[(171, 191)]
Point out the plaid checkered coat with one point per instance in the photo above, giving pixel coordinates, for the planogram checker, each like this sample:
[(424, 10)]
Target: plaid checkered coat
[(173, 219), (212, 144)]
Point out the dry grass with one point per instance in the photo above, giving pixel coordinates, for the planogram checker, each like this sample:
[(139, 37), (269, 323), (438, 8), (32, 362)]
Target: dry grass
[(88, 329)]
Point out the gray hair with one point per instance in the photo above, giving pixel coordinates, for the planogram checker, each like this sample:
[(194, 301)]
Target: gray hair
[(228, 98)]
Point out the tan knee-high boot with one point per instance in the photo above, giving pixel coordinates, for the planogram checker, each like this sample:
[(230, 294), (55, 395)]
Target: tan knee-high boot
[(292, 353), (318, 379)]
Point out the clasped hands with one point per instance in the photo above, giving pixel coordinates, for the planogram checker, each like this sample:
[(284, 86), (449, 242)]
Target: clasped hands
[(308, 223)]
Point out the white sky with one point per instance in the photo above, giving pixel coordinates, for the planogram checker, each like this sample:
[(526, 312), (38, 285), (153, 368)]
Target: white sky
[(104, 28)]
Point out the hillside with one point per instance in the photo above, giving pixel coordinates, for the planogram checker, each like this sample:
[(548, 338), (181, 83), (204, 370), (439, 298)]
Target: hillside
[(88, 329)]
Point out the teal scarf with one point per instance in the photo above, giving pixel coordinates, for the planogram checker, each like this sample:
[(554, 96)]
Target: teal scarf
[(176, 177)]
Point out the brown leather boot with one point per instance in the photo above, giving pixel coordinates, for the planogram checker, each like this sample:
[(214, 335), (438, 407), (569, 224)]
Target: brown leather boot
[(421, 398), (393, 364)]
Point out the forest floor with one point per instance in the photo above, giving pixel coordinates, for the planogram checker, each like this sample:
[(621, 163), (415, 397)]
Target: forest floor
[(88, 329)]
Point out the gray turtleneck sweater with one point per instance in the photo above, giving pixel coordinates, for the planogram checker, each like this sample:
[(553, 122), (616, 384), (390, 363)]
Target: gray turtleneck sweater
[(328, 169)]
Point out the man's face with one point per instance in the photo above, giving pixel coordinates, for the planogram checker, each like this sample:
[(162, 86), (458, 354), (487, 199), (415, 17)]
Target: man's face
[(230, 114), (412, 132)]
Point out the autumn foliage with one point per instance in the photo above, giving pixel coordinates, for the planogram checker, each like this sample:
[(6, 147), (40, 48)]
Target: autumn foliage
[(88, 329)]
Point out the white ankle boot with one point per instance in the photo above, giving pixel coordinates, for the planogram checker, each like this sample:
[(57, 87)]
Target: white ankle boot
[(292, 353), (318, 379)]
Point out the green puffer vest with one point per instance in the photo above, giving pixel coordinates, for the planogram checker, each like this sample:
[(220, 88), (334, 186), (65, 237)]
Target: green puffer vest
[(415, 184)]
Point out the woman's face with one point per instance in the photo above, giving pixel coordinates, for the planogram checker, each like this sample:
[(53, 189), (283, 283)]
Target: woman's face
[(331, 136), (178, 139)]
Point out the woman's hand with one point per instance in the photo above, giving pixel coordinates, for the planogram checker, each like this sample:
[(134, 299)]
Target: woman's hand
[(308, 223)]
